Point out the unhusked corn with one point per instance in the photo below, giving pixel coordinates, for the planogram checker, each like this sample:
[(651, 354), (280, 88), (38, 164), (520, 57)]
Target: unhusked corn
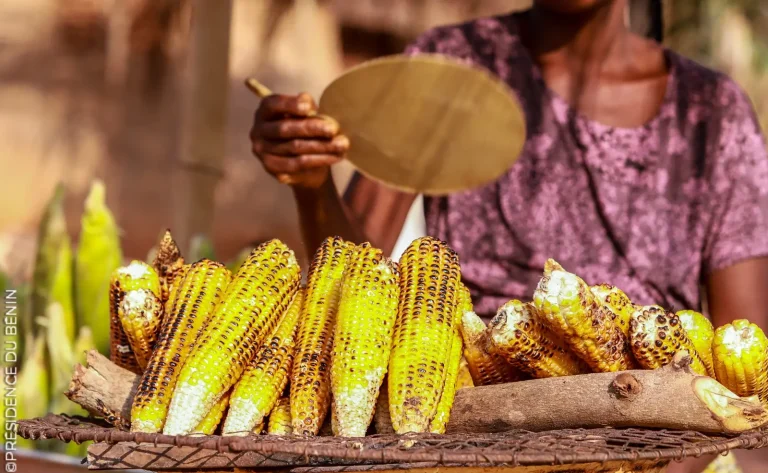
[(363, 338), (617, 303), (572, 312), (212, 419), (429, 282), (202, 288), (310, 378), (258, 295), (740, 355), (264, 380), (168, 262), (517, 334), (137, 275), (657, 335), (280, 418), (701, 333), (486, 368), (141, 312)]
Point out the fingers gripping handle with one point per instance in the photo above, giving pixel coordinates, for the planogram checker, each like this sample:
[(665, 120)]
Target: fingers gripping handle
[(262, 91)]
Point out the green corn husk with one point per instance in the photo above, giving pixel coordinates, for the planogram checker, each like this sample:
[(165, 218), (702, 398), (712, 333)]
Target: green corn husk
[(235, 264), (52, 277), (61, 359), (98, 255), (83, 344), (201, 247), (32, 388)]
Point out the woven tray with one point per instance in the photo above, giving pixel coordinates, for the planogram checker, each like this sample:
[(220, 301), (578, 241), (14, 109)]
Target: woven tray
[(118, 449)]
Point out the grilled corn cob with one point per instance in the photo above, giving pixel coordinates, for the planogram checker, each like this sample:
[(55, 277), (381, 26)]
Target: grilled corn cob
[(363, 338), (740, 358), (198, 295), (657, 335), (140, 314), (264, 380), (208, 425), (486, 368), (572, 312), (173, 288), (439, 422), (429, 283), (280, 418), (259, 294), (518, 335), (135, 276), (464, 379), (701, 333), (168, 262), (617, 303), (310, 377)]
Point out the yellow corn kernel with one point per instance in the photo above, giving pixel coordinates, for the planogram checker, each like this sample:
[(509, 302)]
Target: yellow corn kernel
[(212, 419), (572, 312), (200, 292), (280, 418), (701, 333), (657, 335), (740, 355), (310, 377), (429, 283), (486, 368), (517, 334), (167, 262), (137, 275), (264, 380), (363, 338), (617, 303), (173, 288), (140, 315), (252, 305), (464, 379)]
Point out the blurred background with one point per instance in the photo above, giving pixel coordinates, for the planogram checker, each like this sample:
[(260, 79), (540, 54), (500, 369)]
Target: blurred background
[(147, 96)]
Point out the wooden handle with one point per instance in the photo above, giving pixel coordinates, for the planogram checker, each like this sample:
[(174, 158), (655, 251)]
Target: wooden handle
[(261, 90)]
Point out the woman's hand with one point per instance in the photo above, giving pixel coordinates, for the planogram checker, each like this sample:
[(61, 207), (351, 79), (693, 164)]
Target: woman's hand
[(293, 144)]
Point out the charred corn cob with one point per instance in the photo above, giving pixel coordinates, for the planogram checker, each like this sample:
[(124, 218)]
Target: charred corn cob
[(486, 368), (173, 288), (657, 335), (198, 295), (280, 418), (617, 303), (252, 305), (572, 312), (258, 390), (740, 356), (701, 333), (310, 377), (463, 305), (363, 338), (518, 335), (429, 283), (464, 380), (208, 425), (168, 262), (140, 314), (137, 275)]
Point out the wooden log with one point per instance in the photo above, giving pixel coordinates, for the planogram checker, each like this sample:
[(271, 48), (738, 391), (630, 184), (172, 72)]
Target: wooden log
[(673, 397)]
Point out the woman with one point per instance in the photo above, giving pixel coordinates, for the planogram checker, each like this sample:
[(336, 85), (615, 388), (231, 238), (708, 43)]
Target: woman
[(641, 168)]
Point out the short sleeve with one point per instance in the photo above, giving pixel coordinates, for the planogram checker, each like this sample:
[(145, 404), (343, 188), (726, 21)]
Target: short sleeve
[(739, 184)]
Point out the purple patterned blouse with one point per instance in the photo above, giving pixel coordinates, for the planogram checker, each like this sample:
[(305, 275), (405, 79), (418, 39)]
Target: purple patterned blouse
[(652, 210)]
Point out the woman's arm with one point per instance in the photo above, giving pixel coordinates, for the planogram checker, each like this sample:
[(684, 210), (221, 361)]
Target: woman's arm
[(740, 292)]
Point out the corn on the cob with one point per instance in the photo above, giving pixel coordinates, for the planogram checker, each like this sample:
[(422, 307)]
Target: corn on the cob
[(310, 377), (135, 276), (572, 312), (280, 418), (617, 303), (32, 386), (740, 355), (518, 335), (264, 380), (168, 262), (701, 333), (140, 314), (259, 294), (198, 295), (363, 338), (98, 255), (173, 288), (486, 368), (61, 358), (208, 425), (464, 379), (429, 283), (657, 335), (440, 421)]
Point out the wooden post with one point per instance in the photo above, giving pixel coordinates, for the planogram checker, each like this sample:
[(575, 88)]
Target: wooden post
[(204, 120)]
